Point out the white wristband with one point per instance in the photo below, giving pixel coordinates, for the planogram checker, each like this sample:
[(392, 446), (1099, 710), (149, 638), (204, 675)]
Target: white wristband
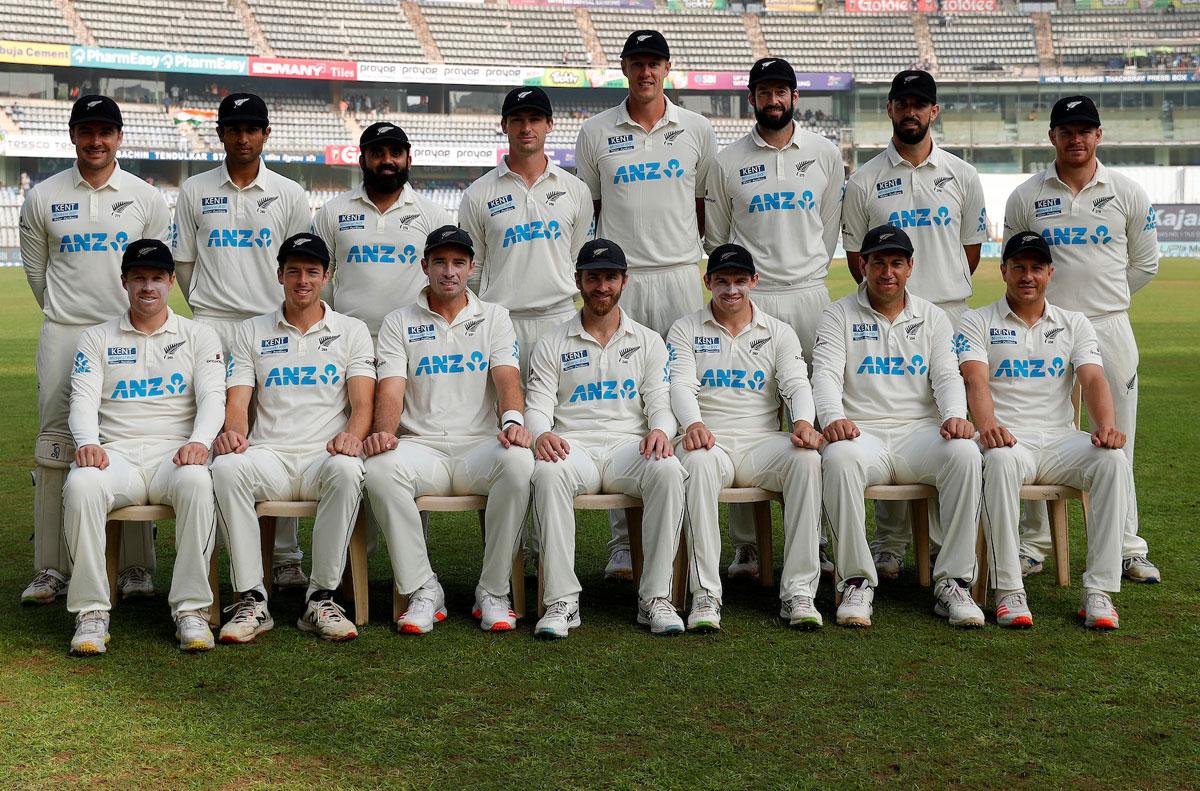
[(511, 416)]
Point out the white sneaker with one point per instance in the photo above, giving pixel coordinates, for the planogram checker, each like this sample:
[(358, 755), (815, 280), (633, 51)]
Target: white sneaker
[(620, 565), (855, 608), (495, 614), (827, 567), (1139, 569), (289, 576), (46, 586), (192, 632), (91, 633), (135, 583), (802, 613), (250, 619), (745, 562), (327, 619), (560, 618), (955, 603), (1030, 565), (659, 614), (705, 615), (1098, 612), (425, 607), (1012, 611), (888, 565)]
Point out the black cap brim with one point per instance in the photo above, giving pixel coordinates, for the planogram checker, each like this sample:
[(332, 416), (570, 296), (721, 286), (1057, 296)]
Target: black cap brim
[(449, 243), (887, 247), (95, 119), (593, 265), (1076, 119), (243, 119)]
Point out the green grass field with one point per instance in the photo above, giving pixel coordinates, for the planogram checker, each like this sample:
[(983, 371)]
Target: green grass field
[(910, 701)]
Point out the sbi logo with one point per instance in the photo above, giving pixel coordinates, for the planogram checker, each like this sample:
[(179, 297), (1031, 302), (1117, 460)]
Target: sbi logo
[(1076, 235), (732, 377), (148, 388), (1029, 369), (239, 237), (893, 366), (302, 376), (381, 254), (450, 364), (527, 232), (647, 171), (921, 218), (93, 242), (605, 390), (781, 201)]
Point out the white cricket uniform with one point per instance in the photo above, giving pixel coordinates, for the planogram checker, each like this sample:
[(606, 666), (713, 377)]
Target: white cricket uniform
[(300, 381), (72, 239), (602, 400), (376, 256), (648, 184), (784, 206), (142, 397), (898, 381), (1104, 242), (735, 385), (526, 240), (448, 435), (1030, 370)]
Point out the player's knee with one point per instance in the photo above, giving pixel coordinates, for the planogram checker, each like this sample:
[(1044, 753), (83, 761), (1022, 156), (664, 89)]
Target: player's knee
[(840, 460), (83, 484), (194, 479), (665, 472), (227, 470), (550, 474), (1001, 463), (962, 453), (700, 463), (341, 471), (516, 466), (803, 461)]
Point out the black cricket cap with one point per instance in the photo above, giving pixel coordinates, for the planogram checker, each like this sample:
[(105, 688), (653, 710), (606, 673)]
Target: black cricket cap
[(886, 237), (1074, 110), (1027, 242), (381, 131), (306, 244), (527, 98), (914, 82), (449, 234), (147, 252), (646, 42), (730, 256), (94, 107), (772, 69), (601, 254), (242, 107)]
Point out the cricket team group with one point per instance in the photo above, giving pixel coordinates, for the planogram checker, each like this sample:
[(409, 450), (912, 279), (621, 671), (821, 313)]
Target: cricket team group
[(377, 353)]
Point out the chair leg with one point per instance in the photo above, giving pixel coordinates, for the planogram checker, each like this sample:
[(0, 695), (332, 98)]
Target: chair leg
[(541, 594), (266, 538), (920, 528), (356, 571), (399, 603), (214, 584), (112, 554), (1059, 540), (517, 583), (979, 589), (766, 547), (679, 575), (633, 516)]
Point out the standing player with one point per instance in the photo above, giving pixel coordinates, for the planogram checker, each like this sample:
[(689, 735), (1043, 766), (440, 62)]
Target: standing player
[(147, 400), (646, 162), (528, 218), (732, 368), (891, 400), (75, 226), (229, 222), (1017, 358), (938, 199), (778, 193), (445, 414), (313, 372), (599, 409), (375, 231), (1102, 232)]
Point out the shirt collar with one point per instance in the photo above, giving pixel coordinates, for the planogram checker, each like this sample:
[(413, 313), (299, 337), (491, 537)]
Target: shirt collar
[(259, 177), (407, 196), (170, 326), (1099, 177), (503, 170), (473, 308), (576, 327), (670, 117), (113, 182), (1050, 314), (793, 143), (757, 317), (933, 160), (910, 309), (322, 323)]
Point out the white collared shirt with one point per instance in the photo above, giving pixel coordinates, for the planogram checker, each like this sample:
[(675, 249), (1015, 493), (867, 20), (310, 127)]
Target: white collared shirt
[(939, 204), (300, 377), (448, 390), (73, 236), (233, 235), (783, 205), (648, 182), (1030, 369), (1104, 241), (526, 238), (126, 384)]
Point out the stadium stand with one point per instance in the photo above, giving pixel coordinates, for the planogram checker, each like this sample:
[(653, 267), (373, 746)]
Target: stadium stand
[(532, 36), (10, 212), (189, 25), (698, 39), (872, 47), (983, 43), (147, 126), (350, 29), (35, 20), (1093, 38)]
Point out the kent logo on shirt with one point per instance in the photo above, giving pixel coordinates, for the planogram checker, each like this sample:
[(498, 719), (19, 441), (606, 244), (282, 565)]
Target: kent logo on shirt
[(620, 143), (921, 217), (604, 390), (999, 335), (576, 359), (154, 387), (381, 254), (239, 237), (648, 171), (782, 201), (893, 366), (753, 173), (436, 364), (273, 345), (421, 332), (302, 376), (98, 242), (352, 222), (121, 355), (734, 378), (217, 204), (1047, 207), (500, 205), (706, 345), (529, 231), (888, 188), (64, 211), (864, 332), (1032, 368)]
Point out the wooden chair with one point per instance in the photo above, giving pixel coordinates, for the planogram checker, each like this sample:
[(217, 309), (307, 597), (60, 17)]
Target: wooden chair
[(761, 499), (919, 494)]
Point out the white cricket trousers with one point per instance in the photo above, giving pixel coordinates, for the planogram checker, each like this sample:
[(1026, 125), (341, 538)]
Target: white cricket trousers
[(1068, 458), (420, 466), (140, 472), (529, 331), (261, 474), (1119, 349), (607, 462), (57, 344), (902, 453), (768, 460)]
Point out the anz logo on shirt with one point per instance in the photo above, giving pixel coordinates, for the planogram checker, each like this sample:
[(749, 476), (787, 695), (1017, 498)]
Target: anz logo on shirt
[(435, 364), (302, 376), (648, 171), (922, 217), (604, 390), (1029, 369), (239, 237), (93, 242), (893, 366), (528, 231), (1076, 235), (782, 201), (734, 378), (153, 387), (381, 254)]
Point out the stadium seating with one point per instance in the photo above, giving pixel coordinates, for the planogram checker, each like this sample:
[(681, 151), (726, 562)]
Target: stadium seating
[(997, 43), (35, 20), (10, 213), (1083, 38), (872, 47), (147, 126), (187, 25), (698, 39), (532, 36), (349, 29)]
